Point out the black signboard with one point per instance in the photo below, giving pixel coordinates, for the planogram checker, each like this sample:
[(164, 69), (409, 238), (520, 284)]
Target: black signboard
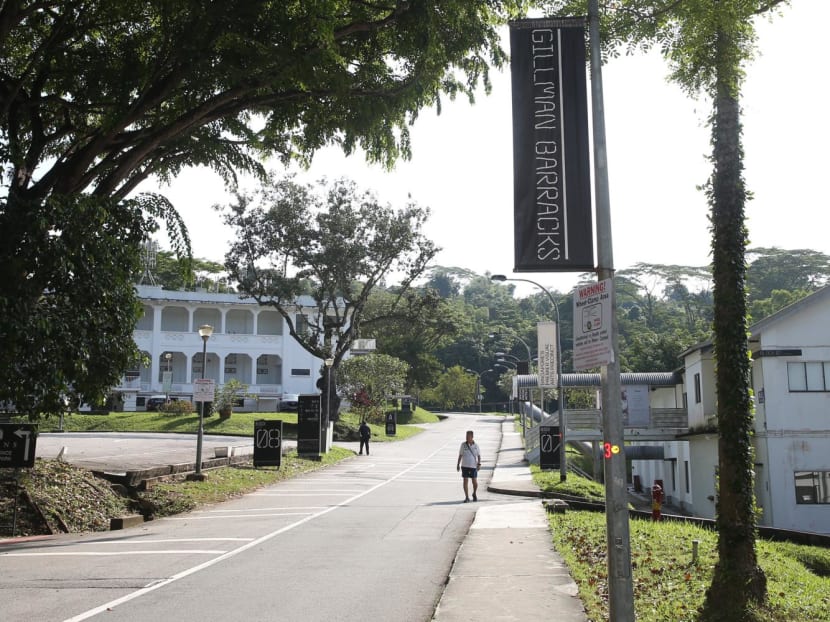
[(391, 424), (267, 443), (406, 404), (551, 165), (549, 442), (308, 426), (17, 445)]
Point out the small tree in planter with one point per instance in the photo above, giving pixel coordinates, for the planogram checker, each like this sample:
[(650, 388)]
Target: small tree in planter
[(225, 397)]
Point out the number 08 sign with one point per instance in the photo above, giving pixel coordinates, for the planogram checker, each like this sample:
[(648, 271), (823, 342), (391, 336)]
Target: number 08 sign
[(267, 443)]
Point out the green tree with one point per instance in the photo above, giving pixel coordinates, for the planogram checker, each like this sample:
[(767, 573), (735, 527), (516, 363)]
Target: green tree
[(414, 333), (371, 379), (97, 96), (773, 269), (456, 389), (67, 327), (779, 298), (707, 44), (171, 272), (342, 243)]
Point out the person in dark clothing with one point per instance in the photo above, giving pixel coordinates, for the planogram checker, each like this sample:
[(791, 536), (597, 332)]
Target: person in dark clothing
[(365, 435)]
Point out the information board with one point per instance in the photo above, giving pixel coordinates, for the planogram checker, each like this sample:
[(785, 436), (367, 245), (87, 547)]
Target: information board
[(267, 442), (17, 445), (391, 424), (203, 389), (550, 439), (308, 426), (592, 325)]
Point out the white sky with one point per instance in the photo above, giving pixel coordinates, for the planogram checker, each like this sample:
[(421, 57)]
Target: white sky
[(657, 155)]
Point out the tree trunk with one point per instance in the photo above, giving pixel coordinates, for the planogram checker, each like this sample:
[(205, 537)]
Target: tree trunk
[(738, 580)]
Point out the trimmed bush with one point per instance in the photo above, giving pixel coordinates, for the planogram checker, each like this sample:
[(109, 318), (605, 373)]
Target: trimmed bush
[(178, 407)]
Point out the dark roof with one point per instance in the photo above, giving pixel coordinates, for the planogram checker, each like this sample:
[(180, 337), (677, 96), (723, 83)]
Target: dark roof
[(652, 379)]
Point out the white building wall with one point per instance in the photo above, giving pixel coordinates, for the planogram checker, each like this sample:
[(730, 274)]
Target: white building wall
[(793, 427), (703, 454), (171, 322), (671, 470)]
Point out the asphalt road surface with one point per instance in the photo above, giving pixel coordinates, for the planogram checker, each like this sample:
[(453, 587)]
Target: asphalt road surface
[(372, 538), (120, 451)]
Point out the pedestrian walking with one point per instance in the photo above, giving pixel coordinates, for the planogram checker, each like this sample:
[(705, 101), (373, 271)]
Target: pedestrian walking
[(469, 462), (365, 435)]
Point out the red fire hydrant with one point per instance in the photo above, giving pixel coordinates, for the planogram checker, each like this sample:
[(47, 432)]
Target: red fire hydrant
[(656, 501)]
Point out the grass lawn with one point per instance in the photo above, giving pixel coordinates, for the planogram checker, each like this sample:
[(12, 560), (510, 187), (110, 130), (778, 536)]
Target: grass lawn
[(239, 424), (575, 485), (228, 482), (668, 586)]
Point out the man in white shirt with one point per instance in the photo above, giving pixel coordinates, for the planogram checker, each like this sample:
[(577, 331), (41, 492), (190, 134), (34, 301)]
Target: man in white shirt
[(469, 462)]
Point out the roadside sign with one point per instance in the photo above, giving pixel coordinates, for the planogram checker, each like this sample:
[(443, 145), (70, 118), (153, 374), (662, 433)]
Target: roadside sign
[(308, 426), (267, 443), (17, 445), (203, 389), (548, 338), (592, 325), (550, 438), (391, 424)]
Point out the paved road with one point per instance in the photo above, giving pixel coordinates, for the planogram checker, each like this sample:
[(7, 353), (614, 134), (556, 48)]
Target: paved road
[(133, 451), (372, 538)]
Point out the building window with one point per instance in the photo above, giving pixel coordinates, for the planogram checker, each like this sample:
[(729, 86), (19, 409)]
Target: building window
[(674, 475), (301, 324), (808, 377), (688, 479), (697, 388), (812, 487), (300, 372)]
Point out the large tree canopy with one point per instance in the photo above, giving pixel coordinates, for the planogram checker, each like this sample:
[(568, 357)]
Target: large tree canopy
[(99, 94), (96, 96), (337, 245)]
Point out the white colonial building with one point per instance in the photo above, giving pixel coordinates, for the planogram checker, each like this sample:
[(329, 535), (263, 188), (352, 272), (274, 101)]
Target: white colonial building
[(250, 343), (791, 384)]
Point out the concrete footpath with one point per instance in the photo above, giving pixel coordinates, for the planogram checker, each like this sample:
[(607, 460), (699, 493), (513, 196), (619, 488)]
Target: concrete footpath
[(507, 568)]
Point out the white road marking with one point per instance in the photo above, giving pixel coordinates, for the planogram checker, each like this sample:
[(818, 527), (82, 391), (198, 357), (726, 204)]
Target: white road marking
[(306, 494), (305, 507), (112, 553), (164, 541), (188, 518), (233, 553)]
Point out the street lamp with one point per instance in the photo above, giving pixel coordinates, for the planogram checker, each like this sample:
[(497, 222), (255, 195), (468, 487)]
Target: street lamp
[(478, 385), (329, 362), (523, 342), (205, 331), (563, 466)]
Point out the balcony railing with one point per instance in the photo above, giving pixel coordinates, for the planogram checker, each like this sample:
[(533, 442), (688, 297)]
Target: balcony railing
[(660, 418)]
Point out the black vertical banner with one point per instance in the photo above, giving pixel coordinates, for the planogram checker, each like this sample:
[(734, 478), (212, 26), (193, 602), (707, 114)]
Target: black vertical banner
[(308, 426), (553, 229)]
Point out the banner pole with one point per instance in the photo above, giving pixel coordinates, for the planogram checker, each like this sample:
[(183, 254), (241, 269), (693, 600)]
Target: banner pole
[(620, 589)]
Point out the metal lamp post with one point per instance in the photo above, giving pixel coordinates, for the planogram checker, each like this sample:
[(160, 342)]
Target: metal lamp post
[(529, 358), (205, 331), (478, 385), (324, 441), (563, 466)]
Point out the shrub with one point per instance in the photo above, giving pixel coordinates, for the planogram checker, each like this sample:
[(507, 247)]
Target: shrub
[(177, 407)]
